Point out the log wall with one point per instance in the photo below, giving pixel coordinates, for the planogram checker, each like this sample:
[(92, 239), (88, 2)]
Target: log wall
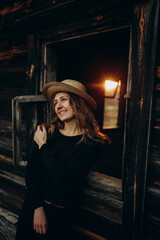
[(22, 27), (110, 207), (152, 208)]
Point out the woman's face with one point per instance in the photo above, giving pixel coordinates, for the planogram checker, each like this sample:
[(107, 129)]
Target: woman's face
[(62, 106)]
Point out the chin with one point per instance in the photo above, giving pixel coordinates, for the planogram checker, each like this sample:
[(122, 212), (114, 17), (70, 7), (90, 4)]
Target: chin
[(64, 119)]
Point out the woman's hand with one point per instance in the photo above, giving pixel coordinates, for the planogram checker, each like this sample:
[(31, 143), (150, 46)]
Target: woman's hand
[(40, 224), (40, 136)]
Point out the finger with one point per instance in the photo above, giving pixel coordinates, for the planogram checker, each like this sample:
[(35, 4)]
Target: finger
[(44, 230), (38, 129), (40, 231), (36, 228), (43, 128), (44, 133), (35, 138)]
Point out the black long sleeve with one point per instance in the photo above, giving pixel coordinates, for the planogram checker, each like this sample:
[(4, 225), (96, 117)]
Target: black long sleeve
[(31, 178), (57, 171)]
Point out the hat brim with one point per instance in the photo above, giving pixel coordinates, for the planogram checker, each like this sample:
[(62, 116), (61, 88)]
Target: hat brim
[(50, 89)]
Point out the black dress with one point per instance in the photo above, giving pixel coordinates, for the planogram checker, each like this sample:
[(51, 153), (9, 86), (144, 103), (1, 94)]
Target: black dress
[(56, 173)]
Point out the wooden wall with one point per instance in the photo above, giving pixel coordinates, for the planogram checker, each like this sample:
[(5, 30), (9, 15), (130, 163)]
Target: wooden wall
[(13, 67), (106, 203), (152, 208), (141, 188), (22, 23)]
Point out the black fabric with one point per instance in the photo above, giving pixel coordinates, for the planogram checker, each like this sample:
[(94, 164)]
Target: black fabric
[(56, 173), (59, 221)]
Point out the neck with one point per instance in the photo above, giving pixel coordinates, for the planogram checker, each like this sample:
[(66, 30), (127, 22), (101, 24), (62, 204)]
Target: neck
[(71, 128)]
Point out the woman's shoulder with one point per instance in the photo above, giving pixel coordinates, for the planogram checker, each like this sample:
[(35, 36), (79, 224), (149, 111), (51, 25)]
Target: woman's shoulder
[(92, 143)]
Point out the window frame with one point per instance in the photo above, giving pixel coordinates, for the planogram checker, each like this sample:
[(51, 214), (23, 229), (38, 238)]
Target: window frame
[(17, 123)]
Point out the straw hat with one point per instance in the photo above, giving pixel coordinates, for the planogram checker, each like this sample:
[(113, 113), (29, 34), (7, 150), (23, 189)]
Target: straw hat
[(68, 85)]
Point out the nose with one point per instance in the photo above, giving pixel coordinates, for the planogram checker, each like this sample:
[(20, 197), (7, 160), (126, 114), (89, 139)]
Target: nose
[(58, 105)]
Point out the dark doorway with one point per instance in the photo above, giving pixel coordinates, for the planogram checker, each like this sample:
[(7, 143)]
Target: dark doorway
[(91, 60)]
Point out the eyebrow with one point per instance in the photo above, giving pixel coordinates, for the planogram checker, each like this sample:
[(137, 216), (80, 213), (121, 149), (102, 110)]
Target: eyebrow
[(60, 97)]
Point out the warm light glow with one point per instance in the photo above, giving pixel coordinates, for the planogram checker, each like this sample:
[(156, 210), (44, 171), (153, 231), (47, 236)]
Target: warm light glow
[(110, 88), (110, 85)]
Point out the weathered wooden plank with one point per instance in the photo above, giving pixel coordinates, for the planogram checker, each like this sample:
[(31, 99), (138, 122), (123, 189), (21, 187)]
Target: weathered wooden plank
[(6, 137), (65, 15), (14, 51), (5, 127), (144, 48), (153, 196), (10, 93), (30, 98), (6, 145), (152, 227), (10, 201), (152, 218), (155, 171), (13, 67), (104, 206), (16, 40), (11, 79), (102, 197), (105, 184), (95, 223), (8, 222), (12, 178), (12, 190), (85, 23), (5, 159), (10, 12), (6, 109), (90, 235), (154, 160), (25, 10)]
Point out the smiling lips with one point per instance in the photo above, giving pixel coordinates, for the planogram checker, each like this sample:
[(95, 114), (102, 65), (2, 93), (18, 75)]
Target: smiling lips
[(61, 112)]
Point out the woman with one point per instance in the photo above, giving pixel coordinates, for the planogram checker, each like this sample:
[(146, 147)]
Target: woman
[(63, 153)]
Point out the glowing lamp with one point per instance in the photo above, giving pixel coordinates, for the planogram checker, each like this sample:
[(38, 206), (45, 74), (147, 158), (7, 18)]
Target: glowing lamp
[(110, 88)]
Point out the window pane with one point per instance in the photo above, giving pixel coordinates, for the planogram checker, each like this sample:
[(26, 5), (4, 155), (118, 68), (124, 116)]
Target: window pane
[(110, 113), (111, 110)]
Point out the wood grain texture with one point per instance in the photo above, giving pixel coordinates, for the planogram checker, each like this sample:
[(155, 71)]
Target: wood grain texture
[(109, 210), (8, 222), (143, 79)]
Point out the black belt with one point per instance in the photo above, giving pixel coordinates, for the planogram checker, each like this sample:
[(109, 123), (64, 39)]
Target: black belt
[(58, 206)]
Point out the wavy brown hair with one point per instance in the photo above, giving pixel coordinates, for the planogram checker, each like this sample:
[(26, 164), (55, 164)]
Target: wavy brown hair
[(86, 121)]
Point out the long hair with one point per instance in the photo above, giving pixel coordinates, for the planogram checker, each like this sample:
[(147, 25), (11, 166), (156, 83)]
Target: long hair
[(86, 121)]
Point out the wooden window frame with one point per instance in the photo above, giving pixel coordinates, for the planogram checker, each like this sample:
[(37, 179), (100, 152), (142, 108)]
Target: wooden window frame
[(17, 123)]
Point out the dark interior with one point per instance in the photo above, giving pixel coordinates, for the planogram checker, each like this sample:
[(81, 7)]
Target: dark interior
[(91, 60)]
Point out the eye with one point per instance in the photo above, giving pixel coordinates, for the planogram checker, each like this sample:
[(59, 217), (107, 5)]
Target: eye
[(63, 99)]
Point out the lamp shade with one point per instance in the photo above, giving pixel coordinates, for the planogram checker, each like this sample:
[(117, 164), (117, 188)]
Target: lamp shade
[(110, 88)]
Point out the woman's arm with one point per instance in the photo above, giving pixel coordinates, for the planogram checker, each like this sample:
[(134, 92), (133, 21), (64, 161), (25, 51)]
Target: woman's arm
[(40, 138), (30, 178), (40, 223)]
